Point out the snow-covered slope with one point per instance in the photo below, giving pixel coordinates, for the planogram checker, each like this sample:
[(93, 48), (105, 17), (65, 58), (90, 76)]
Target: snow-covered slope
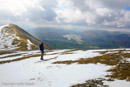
[(7, 37), (13, 37), (35, 73)]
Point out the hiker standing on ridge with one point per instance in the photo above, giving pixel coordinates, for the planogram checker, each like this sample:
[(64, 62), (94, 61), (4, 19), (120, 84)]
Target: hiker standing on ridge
[(41, 46)]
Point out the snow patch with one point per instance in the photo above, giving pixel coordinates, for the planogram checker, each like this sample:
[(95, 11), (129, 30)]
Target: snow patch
[(46, 74), (6, 39), (78, 55), (50, 75), (128, 59), (29, 44), (117, 83), (3, 26), (22, 54)]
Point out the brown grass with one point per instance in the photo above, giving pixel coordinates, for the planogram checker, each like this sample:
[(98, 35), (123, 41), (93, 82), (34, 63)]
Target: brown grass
[(6, 52), (121, 71), (18, 59), (109, 59), (92, 83), (64, 62), (68, 52), (10, 56)]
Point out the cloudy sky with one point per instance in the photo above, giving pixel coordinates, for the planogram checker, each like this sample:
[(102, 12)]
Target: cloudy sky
[(103, 14)]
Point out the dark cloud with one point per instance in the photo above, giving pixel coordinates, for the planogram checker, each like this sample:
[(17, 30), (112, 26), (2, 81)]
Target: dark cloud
[(80, 4), (115, 4), (92, 13), (49, 7)]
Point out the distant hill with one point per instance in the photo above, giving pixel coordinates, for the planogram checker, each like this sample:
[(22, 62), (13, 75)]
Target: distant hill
[(87, 39), (13, 37)]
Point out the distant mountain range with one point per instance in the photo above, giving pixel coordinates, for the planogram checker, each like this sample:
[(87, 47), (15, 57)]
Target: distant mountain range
[(87, 39), (13, 37)]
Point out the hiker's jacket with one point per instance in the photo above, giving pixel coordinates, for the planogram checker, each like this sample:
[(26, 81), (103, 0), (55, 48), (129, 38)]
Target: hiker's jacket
[(41, 46)]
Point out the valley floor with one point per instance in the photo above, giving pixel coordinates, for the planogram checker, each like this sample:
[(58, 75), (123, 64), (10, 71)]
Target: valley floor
[(25, 69)]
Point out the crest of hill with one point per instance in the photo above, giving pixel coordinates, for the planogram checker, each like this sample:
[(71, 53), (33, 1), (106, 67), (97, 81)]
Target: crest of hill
[(12, 37)]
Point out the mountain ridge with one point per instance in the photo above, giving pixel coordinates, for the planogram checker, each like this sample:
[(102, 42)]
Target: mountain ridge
[(13, 37)]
